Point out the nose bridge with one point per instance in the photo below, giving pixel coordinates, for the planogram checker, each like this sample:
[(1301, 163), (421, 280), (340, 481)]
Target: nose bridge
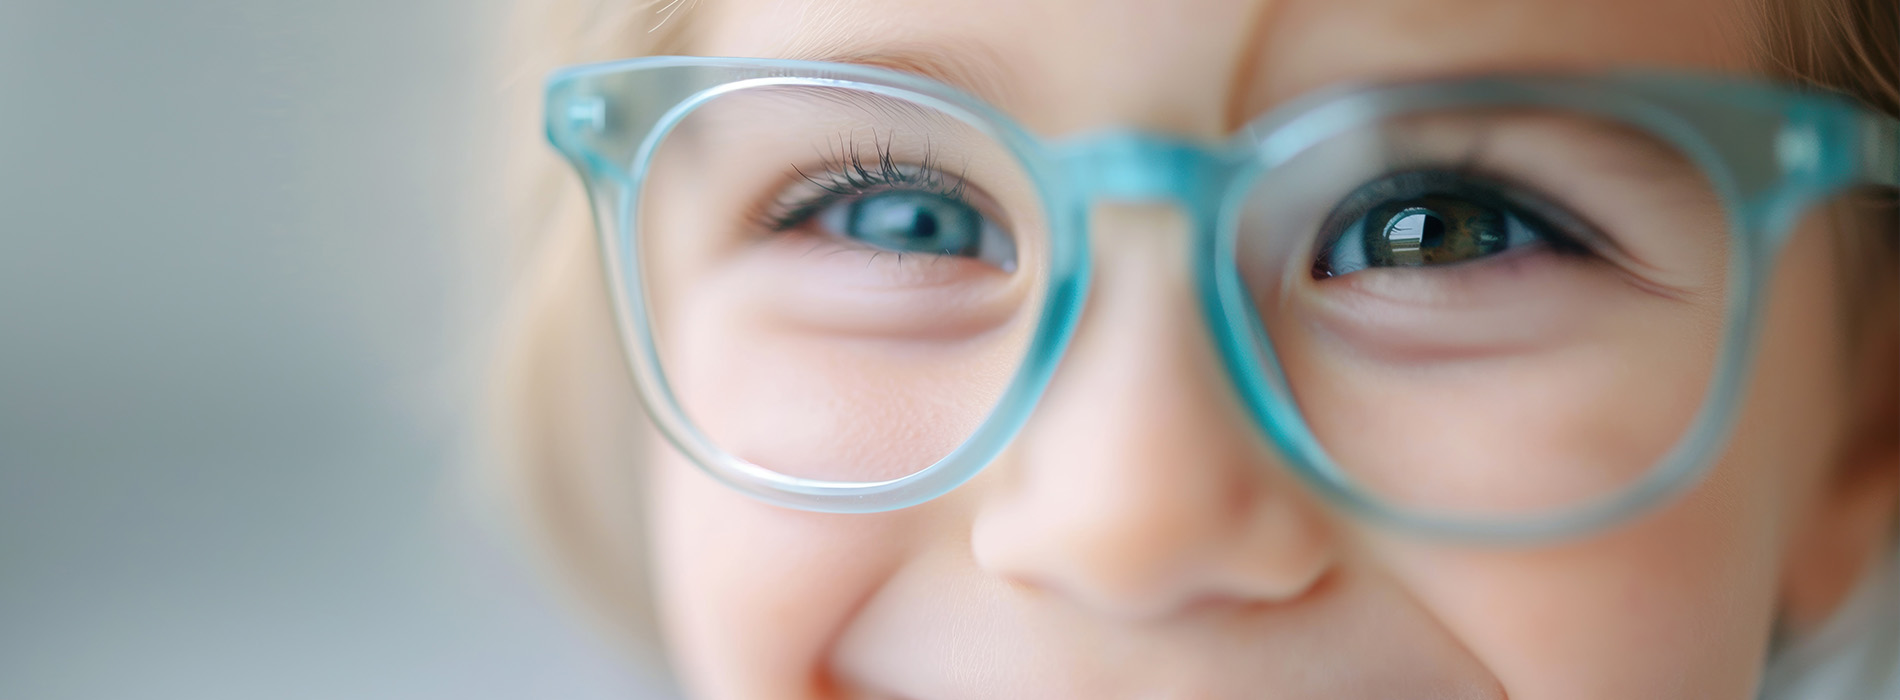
[(1139, 490), (1142, 167), (1133, 166), (1136, 166)]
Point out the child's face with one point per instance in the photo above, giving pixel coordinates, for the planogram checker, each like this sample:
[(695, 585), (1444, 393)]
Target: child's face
[(1137, 539)]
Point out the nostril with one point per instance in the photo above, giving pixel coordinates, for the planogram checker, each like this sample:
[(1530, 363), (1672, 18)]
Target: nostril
[(1146, 578), (1027, 586), (1317, 580), (1146, 553), (1083, 571)]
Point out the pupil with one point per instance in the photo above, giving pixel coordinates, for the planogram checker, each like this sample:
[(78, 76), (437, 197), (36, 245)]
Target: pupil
[(925, 225), (1410, 235), (1434, 230)]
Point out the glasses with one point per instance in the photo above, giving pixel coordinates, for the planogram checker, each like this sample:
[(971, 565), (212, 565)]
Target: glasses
[(1495, 308)]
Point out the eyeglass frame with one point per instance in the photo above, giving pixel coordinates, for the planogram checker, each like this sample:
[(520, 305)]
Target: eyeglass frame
[(1770, 151)]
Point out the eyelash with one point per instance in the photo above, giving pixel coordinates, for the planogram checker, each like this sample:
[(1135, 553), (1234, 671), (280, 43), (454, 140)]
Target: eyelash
[(844, 173)]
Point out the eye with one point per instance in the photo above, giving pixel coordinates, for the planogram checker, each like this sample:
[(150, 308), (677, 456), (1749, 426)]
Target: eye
[(892, 206), (915, 221), (1427, 219)]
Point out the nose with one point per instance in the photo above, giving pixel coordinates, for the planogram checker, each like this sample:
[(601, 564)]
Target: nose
[(1139, 489)]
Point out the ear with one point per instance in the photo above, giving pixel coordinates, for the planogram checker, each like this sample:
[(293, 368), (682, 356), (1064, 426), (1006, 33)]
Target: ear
[(1857, 521)]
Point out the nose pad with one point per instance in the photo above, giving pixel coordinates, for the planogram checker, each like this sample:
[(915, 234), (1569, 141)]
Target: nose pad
[(1140, 488)]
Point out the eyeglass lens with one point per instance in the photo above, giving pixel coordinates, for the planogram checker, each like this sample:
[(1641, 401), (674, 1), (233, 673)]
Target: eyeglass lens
[(1479, 311)]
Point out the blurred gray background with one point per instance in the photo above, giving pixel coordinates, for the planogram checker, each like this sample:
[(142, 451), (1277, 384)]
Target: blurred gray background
[(249, 271)]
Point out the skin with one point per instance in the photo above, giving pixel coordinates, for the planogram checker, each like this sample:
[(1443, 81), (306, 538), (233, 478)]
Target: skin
[(1138, 539)]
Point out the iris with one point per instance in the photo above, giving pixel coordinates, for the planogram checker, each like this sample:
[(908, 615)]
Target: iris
[(1424, 220)]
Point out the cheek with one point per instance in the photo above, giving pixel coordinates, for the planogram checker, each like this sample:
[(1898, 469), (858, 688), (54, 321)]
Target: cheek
[(1508, 437), (751, 595), (814, 408), (785, 367), (1679, 603), (1676, 605)]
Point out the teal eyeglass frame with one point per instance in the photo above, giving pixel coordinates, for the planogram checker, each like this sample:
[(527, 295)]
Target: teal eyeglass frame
[(1770, 151)]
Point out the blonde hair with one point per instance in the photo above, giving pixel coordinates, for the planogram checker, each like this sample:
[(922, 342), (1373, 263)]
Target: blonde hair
[(567, 418), (1851, 47), (568, 406)]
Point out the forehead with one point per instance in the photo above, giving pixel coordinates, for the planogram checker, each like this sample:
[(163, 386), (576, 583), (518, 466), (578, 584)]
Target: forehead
[(1203, 67)]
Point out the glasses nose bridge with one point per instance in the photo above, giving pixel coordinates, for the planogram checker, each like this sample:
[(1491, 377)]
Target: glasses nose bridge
[(1136, 166)]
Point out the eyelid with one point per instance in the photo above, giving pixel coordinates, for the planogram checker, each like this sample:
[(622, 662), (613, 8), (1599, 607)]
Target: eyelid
[(842, 172), (1580, 229)]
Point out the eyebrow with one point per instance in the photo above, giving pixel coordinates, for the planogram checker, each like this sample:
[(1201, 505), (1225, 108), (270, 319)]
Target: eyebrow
[(965, 65)]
